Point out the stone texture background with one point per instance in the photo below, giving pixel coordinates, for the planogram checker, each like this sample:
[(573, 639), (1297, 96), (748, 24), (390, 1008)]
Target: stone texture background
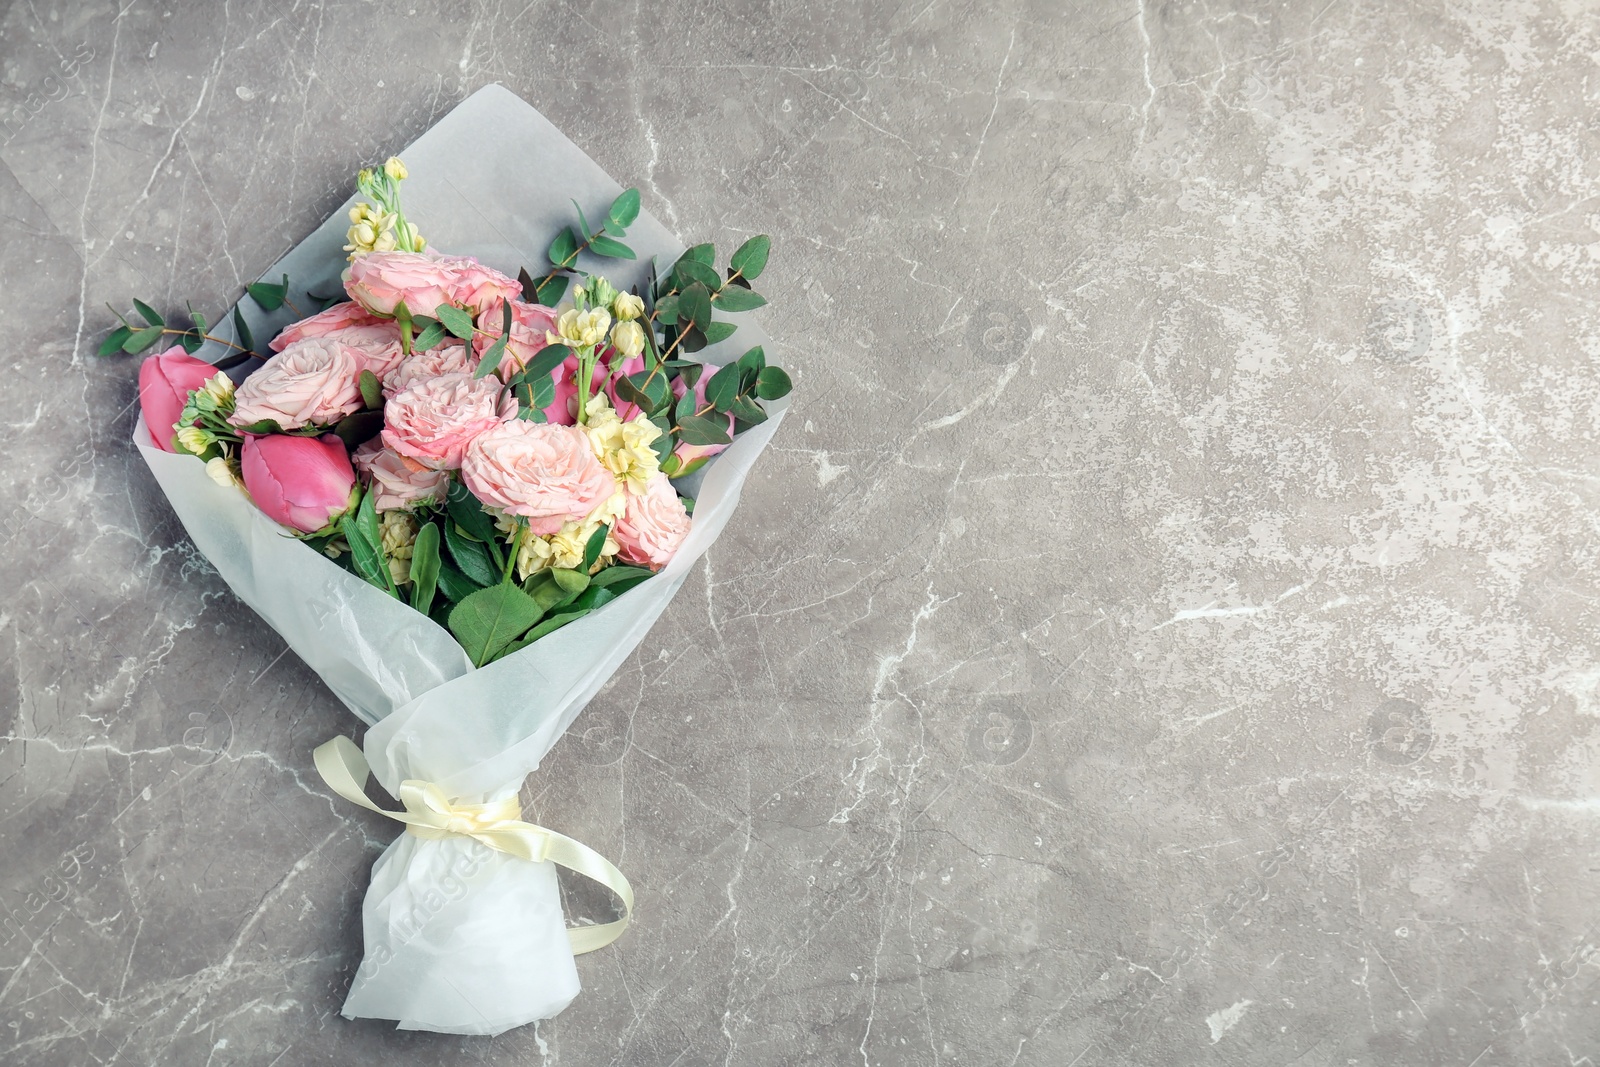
[(1164, 631)]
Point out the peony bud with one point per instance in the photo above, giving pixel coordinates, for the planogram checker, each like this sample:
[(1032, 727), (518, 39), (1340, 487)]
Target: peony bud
[(165, 382), (395, 169), (302, 482), (627, 307), (628, 338)]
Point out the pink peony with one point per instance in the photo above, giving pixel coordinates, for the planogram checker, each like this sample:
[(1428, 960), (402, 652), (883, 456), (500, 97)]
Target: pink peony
[(397, 482), (543, 472), (692, 457), (380, 281), (447, 358), (529, 324), (434, 419), (165, 382), (653, 524), (303, 482), (315, 382), (338, 317)]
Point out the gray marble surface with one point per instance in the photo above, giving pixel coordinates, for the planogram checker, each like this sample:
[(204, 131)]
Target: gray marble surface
[(1162, 633)]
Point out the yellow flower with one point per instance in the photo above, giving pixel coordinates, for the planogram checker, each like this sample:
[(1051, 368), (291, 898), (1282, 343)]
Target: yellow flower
[(194, 439), (395, 169), (221, 471), (371, 230), (219, 387), (623, 448), (628, 338), (563, 549), (580, 329), (627, 307), (399, 531)]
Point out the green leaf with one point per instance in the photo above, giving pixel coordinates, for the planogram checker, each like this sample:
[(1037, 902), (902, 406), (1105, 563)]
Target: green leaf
[(699, 430), (149, 313), (544, 590), (198, 319), (455, 320), (733, 298), (355, 430), (694, 306), (140, 340), (471, 556), (364, 555), (571, 581), (750, 365), (563, 250), (704, 253), (545, 362), (424, 566), (492, 618), (583, 223), (430, 337), (491, 359), (551, 292), (694, 339), (689, 271), (686, 403), (751, 258), (191, 341), (772, 383), (367, 520), (455, 586), (621, 572), (114, 341), (261, 426), (718, 331), (554, 622), (530, 288), (371, 390), (243, 329), (667, 310), (593, 546), (723, 387), (601, 245), (269, 295), (690, 374), (624, 210), (467, 512)]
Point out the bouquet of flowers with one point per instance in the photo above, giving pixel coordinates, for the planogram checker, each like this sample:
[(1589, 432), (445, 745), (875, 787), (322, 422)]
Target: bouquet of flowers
[(463, 498)]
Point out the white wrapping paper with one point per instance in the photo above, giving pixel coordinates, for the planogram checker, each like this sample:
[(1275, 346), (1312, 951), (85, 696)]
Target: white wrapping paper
[(458, 938)]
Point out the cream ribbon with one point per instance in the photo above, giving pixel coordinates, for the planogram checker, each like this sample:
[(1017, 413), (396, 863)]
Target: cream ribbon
[(430, 815)]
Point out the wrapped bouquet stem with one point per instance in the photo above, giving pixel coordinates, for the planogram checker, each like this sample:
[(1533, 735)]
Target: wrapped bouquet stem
[(464, 500)]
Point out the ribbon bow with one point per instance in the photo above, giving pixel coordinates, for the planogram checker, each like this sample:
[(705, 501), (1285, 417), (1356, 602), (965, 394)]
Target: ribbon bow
[(431, 815)]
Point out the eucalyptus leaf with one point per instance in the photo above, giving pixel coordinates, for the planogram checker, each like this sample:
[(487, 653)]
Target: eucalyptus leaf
[(243, 329), (430, 337), (718, 331), (583, 223), (140, 340), (550, 293), (611, 248), (371, 390), (564, 249), (269, 295), (723, 387), (732, 298), (705, 253), (150, 314), (530, 288), (629, 393), (694, 305), (455, 320), (773, 383), (689, 271), (667, 310), (114, 341), (751, 257), (624, 210), (699, 430)]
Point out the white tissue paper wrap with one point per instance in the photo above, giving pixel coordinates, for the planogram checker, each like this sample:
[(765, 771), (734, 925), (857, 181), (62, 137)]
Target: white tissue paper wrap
[(459, 938)]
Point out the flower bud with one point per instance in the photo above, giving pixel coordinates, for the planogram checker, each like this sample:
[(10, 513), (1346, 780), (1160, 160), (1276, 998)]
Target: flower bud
[(165, 382), (193, 439), (601, 292), (627, 307), (302, 482), (395, 169), (628, 338), (220, 388), (221, 471)]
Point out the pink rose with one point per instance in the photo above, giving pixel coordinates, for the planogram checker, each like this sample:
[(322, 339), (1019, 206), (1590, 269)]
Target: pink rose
[(380, 281), (692, 457), (303, 482), (653, 524), (165, 382), (323, 323), (315, 382), (543, 472), (529, 324), (377, 343), (475, 286), (434, 419), (449, 357), (397, 482)]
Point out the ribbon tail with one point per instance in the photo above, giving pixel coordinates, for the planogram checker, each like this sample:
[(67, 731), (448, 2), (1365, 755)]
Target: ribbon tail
[(576, 856)]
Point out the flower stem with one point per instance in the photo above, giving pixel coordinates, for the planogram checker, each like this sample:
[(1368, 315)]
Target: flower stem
[(208, 337), (516, 550)]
